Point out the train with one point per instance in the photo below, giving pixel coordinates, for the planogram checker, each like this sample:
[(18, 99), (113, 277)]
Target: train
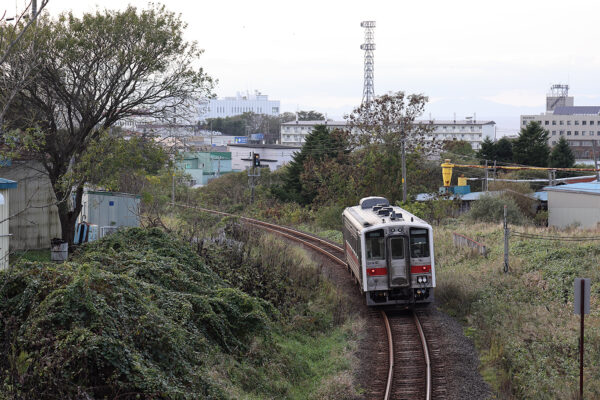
[(389, 251)]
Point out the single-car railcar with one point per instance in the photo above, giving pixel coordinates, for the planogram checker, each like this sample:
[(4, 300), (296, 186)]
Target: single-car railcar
[(390, 252)]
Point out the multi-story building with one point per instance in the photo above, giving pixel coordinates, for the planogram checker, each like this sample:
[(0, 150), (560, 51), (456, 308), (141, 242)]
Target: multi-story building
[(230, 106), (580, 125), (294, 133), (203, 166), (470, 130)]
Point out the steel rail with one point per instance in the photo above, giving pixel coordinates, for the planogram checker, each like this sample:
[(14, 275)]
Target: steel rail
[(298, 236), (388, 386), (426, 355), (291, 234)]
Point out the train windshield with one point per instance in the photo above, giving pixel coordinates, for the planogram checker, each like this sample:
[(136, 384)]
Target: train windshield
[(375, 244), (419, 243), (397, 248)]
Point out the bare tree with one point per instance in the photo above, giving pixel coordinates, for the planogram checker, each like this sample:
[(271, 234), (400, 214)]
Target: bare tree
[(93, 72), (389, 123), (22, 54)]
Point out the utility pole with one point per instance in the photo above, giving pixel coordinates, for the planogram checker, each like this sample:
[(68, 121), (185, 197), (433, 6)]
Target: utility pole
[(403, 169), (486, 176), (506, 234), (595, 159)]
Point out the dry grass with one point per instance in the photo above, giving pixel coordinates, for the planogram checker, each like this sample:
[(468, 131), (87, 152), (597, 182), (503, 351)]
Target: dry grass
[(523, 322)]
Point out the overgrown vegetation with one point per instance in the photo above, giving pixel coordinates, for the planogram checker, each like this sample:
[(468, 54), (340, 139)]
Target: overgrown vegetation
[(141, 315), (523, 322)]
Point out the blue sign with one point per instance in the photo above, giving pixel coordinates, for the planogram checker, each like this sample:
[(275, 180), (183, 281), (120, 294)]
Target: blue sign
[(240, 139), (257, 136)]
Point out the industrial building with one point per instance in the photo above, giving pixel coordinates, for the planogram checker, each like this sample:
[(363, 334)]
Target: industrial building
[(470, 130), (257, 103), (204, 166), (576, 205), (580, 125)]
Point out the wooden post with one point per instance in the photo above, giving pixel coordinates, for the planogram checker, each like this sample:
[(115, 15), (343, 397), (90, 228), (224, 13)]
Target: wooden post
[(506, 233), (581, 340)]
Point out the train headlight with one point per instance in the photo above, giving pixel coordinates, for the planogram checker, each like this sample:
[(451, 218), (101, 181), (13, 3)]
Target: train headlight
[(424, 279), (419, 279)]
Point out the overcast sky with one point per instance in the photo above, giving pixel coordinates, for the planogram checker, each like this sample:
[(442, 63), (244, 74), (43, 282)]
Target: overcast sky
[(496, 59)]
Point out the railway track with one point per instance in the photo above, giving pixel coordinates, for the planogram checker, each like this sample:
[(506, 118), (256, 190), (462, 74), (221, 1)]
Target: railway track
[(407, 373)]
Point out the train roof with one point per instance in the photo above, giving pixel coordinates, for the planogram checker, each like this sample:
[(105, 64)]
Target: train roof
[(375, 212)]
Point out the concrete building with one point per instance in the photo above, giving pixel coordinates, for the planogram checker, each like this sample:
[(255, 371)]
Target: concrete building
[(294, 133), (470, 130), (272, 156), (257, 103), (580, 125), (577, 204), (204, 166)]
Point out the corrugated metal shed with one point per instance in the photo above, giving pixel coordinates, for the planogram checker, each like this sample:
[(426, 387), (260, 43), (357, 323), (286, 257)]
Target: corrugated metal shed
[(577, 204), (5, 185)]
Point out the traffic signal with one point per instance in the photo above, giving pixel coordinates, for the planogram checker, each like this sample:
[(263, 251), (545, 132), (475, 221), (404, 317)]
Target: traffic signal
[(256, 160)]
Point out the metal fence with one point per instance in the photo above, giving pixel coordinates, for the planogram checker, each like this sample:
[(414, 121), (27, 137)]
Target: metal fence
[(463, 241)]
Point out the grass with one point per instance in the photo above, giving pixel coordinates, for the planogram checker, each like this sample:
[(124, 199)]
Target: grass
[(522, 322), (30, 255)]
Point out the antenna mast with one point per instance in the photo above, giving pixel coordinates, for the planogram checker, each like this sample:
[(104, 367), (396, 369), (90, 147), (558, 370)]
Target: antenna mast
[(368, 47)]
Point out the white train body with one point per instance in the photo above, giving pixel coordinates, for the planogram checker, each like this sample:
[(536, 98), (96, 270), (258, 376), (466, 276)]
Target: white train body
[(390, 252)]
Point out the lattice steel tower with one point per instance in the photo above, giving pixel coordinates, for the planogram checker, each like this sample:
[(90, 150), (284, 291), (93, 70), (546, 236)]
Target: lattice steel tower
[(368, 47)]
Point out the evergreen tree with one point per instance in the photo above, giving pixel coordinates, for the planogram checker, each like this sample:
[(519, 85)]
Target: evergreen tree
[(320, 145), (531, 147), (504, 150), (487, 150), (562, 155)]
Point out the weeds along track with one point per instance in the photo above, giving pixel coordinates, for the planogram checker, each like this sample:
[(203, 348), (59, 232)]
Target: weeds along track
[(402, 370)]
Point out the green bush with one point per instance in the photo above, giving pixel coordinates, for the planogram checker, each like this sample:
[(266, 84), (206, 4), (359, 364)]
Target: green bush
[(329, 217), (491, 209), (132, 316)]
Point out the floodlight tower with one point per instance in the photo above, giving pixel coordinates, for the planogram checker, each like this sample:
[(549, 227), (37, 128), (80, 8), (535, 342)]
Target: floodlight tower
[(368, 47)]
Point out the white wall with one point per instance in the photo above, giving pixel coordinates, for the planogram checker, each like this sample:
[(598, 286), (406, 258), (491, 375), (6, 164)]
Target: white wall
[(274, 158), (565, 209)]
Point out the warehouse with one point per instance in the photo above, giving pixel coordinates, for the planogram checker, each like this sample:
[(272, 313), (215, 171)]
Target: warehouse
[(576, 205)]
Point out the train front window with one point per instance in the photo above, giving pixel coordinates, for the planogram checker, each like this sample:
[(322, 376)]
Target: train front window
[(375, 245), (419, 243), (397, 248)]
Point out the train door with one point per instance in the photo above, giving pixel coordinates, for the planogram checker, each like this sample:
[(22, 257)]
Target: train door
[(397, 261)]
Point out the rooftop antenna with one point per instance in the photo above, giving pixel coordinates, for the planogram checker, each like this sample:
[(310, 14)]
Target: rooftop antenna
[(368, 46)]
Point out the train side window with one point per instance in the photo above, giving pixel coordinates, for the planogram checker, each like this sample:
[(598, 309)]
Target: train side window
[(375, 245), (397, 248), (419, 243)]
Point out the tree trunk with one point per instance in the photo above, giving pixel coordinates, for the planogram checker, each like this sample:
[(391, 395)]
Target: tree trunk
[(68, 217)]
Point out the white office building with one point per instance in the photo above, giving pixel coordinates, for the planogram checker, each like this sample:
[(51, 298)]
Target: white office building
[(470, 130), (580, 125), (230, 106)]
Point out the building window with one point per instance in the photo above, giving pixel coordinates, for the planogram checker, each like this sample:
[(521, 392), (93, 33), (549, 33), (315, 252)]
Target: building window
[(561, 132), (568, 122), (568, 133), (576, 133), (576, 122), (524, 122), (553, 122), (583, 122), (553, 133), (562, 122), (598, 133), (591, 122), (546, 122), (553, 142)]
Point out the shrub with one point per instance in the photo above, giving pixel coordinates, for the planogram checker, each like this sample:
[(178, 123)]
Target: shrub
[(329, 217), (490, 208)]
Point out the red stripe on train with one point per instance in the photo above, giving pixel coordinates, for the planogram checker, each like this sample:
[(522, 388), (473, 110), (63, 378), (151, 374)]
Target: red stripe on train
[(420, 269), (376, 271)]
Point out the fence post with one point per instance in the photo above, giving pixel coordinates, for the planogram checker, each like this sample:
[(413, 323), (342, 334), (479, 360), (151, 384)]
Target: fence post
[(506, 234)]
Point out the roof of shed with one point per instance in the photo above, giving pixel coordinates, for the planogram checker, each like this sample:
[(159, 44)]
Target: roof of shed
[(7, 184), (581, 187)]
